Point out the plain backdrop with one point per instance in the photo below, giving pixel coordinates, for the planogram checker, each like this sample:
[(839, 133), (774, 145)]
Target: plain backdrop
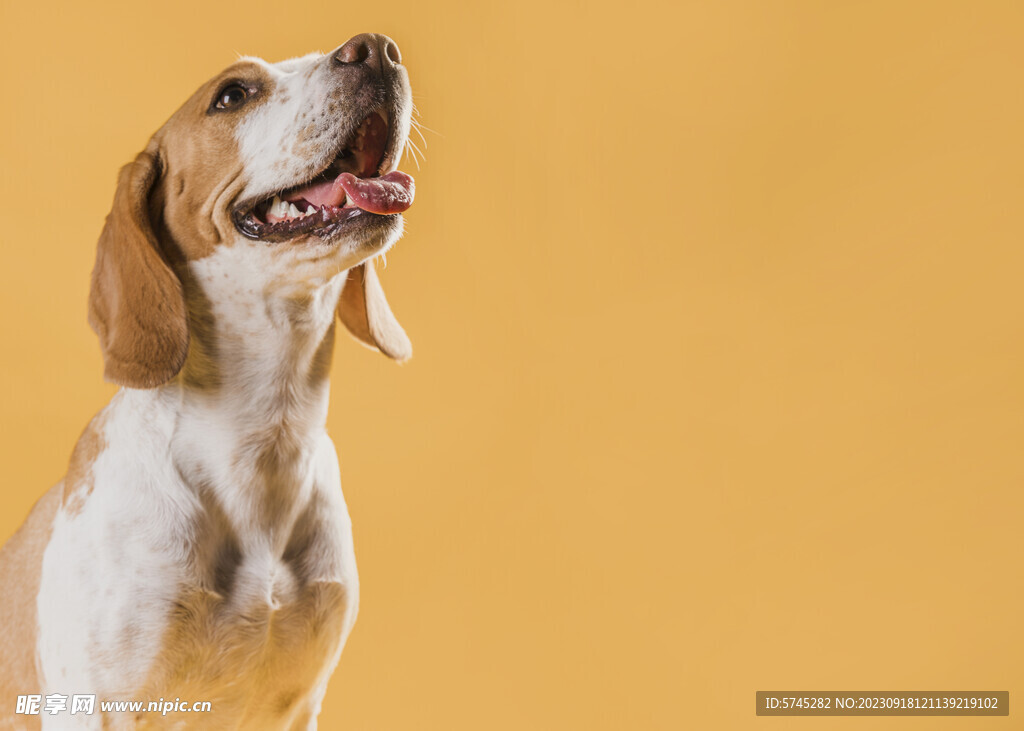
[(717, 320)]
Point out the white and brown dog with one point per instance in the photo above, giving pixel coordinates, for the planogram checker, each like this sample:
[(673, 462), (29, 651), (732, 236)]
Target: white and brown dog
[(199, 547)]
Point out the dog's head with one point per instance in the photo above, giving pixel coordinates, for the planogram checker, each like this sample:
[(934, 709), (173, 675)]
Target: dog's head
[(292, 166)]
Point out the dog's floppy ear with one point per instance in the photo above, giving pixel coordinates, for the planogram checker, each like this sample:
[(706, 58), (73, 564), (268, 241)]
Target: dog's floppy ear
[(365, 312), (136, 304)]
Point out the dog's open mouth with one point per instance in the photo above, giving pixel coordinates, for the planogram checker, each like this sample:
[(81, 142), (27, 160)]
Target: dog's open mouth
[(349, 186)]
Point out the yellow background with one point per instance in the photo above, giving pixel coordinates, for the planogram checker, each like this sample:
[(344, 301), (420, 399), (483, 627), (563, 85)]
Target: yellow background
[(718, 325)]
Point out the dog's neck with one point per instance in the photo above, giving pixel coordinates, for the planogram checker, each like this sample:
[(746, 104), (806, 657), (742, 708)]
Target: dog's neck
[(254, 389)]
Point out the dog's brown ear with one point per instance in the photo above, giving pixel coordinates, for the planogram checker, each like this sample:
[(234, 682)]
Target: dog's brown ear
[(136, 305), (365, 312)]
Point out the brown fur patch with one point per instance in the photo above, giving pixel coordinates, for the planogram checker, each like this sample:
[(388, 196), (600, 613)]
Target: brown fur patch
[(365, 312), (136, 305), (78, 483), (320, 368), (198, 144), (201, 370), (21, 564), (202, 643)]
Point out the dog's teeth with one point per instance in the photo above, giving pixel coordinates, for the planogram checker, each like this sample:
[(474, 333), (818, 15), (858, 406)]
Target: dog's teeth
[(278, 208), (293, 212), (310, 210)]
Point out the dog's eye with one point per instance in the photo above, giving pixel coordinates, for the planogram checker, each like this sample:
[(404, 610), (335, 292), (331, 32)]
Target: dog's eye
[(232, 96)]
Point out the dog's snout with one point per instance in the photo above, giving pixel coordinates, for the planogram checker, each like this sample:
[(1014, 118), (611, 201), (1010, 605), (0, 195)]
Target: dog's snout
[(372, 49)]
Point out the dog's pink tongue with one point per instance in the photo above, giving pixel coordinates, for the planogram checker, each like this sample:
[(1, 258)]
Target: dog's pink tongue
[(328, 193), (391, 193)]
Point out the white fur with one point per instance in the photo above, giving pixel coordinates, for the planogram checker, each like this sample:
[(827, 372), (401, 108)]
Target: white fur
[(267, 138)]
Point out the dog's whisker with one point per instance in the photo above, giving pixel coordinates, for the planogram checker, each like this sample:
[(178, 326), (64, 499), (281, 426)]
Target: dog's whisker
[(420, 126), (422, 138), (412, 149)]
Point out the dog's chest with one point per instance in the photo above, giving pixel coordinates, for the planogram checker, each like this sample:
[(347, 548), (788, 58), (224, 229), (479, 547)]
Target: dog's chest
[(269, 592), (258, 641), (198, 577)]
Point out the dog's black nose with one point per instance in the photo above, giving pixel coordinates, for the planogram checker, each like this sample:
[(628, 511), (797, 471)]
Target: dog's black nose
[(373, 49)]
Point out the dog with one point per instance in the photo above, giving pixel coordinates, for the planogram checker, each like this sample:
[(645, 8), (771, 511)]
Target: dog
[(199, 547)]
